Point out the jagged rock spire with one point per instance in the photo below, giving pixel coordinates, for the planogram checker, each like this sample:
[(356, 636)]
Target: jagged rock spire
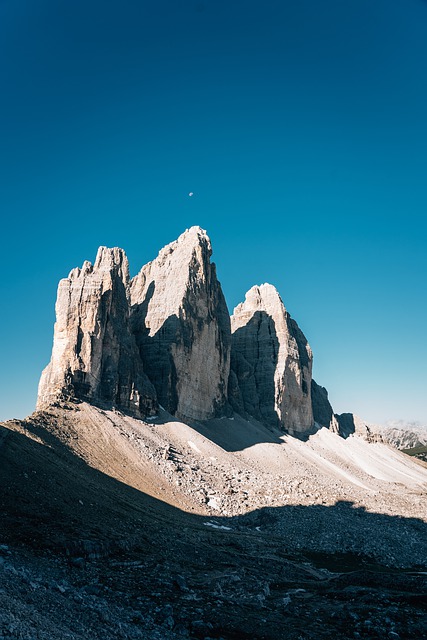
[(182, 327), (94, 355), (272, 362), (165, 336)]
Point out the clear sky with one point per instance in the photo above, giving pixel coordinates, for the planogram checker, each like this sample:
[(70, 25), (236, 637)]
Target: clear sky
[(301, 128)]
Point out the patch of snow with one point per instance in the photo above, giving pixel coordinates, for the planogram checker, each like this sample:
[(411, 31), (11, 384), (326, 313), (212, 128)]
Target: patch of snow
[(217, 526)]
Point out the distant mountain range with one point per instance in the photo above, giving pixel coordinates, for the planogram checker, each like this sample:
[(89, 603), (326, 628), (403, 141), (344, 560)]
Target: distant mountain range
[(403, 435)]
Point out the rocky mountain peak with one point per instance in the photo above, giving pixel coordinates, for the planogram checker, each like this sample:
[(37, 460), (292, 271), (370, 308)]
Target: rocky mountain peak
[(182, 327), (94, 355), (259, 297), (191, 237), (187, 242), (272, 362), (166, 336), (112, 261), (181, 266)]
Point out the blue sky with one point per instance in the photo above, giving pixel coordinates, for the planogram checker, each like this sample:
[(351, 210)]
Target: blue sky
[(301, 129)]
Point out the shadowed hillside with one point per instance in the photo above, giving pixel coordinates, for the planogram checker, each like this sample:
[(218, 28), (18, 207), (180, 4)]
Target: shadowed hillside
[(118, 553)]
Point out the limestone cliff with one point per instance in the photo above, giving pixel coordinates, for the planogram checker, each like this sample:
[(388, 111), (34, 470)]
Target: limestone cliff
[(94, 355), (349, 424), (323, 413), (165, 336), (272, 362), (182, 327)]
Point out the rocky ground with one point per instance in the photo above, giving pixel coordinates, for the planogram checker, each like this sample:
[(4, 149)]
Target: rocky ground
[(115, 528)]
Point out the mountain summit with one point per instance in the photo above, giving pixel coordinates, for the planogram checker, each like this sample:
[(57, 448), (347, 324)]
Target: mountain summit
[(272, 361), (94, 355), (182, 328), (165, 338)]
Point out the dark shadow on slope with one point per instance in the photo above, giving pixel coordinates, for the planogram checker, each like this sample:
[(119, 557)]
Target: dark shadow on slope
[(53, 498), (230, 578), (47, 479), (237, 433)]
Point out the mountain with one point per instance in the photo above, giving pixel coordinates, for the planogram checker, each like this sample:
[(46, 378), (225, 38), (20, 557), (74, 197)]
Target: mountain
[(182, 328), (404, 435), (165, 337), (272, 362), (183, 475), (94, 354)]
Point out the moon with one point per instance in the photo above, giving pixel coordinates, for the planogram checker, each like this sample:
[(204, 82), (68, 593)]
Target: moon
[(191, 194)]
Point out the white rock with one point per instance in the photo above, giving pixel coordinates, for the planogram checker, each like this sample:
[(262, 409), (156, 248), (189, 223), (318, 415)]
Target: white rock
[(182, 327), (272, 361)]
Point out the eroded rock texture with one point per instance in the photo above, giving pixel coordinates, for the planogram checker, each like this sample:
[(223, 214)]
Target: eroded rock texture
[(272, 362), (165, 337), (182, 327), (94, 355), (323, 413), (349, 424)]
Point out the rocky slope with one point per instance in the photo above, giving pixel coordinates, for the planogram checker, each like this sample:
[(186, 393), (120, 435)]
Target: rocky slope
[(272, 362), (120, 528), (136, 504)]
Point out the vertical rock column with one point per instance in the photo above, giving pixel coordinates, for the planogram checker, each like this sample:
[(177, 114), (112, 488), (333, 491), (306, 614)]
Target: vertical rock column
[(182, 327), (94, 354), (272, 362)]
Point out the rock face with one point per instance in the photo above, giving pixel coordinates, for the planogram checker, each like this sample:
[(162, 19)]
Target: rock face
[(182, 327), (271, 361), (94, 355), (349, 424), (323, 413), (165, 337)]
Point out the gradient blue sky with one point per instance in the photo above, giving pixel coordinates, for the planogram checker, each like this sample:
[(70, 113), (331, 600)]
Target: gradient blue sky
[(300, 127)]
